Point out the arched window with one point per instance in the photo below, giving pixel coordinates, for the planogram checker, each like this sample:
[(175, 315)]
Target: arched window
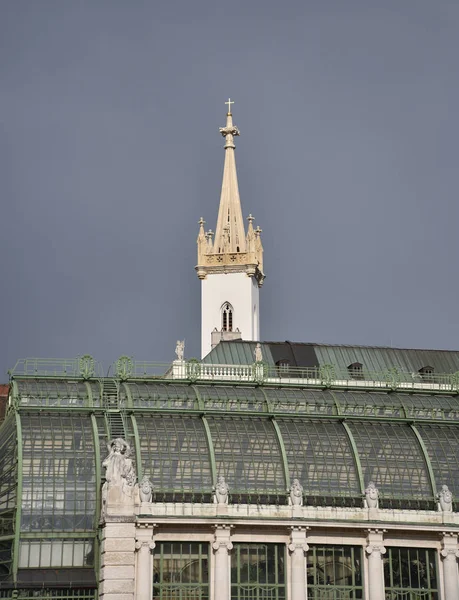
[(227, 317)]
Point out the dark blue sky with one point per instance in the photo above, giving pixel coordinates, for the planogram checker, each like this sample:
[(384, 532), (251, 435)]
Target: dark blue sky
[(110, 153)]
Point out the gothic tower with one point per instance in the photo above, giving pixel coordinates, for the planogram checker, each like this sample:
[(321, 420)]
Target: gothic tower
[(230, 266)]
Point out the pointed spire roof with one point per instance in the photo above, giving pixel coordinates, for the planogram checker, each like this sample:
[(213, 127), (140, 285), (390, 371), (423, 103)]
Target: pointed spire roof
[(230, 232)]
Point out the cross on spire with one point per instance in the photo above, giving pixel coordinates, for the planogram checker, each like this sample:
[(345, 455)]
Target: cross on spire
[(229, 103)]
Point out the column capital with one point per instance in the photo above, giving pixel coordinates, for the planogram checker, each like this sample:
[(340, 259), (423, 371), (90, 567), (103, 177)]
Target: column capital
[(375, 548), (222, 536), (449, 553), (139, 544), (294, 547)]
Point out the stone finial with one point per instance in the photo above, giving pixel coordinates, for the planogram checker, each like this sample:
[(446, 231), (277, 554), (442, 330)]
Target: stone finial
[(145, 490), (221, 491), (296, 493), (258, 354), (445, 499), (371, 496), (180, 349)]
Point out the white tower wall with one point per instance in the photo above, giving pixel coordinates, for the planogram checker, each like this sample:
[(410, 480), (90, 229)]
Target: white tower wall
[(239, 290)]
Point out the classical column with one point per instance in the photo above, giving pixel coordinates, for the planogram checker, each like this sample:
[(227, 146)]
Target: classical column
[(375, 551), (298, 547), (450, 554), (221, 546), (144, 568)]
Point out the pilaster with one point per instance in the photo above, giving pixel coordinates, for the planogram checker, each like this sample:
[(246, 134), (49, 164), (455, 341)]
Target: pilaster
[(375, 551), (221, 547), (144, 545), (117, 574), (298, 548), (450, 554)]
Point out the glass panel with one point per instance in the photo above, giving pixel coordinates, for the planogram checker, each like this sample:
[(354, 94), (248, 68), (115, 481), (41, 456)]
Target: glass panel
[(257, 572), (8, 476), (420, 406), (411, 574), (390, 456), (303, 401), (181, 571), (319, 454), (6, 559), (334, 572), (442, 444), (247, 454), (377, 404), (46, 553), (175, 455), (160, 395), (232, 398), (59, 474), (52, 392)]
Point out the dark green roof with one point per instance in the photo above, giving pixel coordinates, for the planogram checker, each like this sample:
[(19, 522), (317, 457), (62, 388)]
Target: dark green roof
[(373, 358)]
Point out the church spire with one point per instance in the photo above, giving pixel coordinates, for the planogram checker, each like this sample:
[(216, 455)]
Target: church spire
[(230, 233), (230, 265)]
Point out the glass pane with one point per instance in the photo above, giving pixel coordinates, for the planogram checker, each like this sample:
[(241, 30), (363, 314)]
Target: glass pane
[(442, 444), (59, 473), (257, 571), (334, 572), (232, 398), (247, 454), (319, 454), (160, 395), (181, 571), (174, 454), (411, 571), (303, 401), (390, 456)]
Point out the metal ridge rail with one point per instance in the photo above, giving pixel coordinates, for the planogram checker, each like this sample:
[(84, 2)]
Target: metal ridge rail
[(259, 373)]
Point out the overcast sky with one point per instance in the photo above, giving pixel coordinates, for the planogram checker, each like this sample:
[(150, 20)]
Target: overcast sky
[(110, 153)]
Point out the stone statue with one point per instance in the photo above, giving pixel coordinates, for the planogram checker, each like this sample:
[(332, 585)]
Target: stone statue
[(221, 491), (180, 349), (445, 499), (372, 496), (258, 353), (145, 490), (296, 493), (120, 472)]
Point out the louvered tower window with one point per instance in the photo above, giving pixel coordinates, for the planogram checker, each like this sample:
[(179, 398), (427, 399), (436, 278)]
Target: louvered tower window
[(227, 317)]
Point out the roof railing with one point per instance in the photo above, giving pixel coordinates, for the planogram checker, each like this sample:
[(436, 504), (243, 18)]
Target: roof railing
[(83, 366), (193, 370)]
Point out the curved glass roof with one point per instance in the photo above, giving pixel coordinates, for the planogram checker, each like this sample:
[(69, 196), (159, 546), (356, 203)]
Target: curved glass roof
[(259, 437)]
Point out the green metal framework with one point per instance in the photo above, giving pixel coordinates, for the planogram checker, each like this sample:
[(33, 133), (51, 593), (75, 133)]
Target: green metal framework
[(258, 572), (411, 574), (184, 434), (181, 571), (334, 572)]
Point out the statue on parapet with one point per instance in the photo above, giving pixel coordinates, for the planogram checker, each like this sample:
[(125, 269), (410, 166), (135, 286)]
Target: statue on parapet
[(371, 496), (180, 349), (258, 354), (296, 493), (445, 499), (221, 491), (145, 490), (120, 472)]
